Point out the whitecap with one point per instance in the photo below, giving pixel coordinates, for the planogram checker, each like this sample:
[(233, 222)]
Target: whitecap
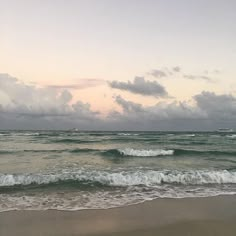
[(145, 153)]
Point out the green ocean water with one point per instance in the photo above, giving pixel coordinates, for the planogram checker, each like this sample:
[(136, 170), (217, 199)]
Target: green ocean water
[(69, 170)]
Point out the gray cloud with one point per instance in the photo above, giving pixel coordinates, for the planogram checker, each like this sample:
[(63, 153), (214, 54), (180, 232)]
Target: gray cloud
[(128, 106), (160, 111), (217, 106), (210, 112), (141, 86), (215, 71), (176, 69), (25, 106), (196, 77), (165, 72), (158, 73)]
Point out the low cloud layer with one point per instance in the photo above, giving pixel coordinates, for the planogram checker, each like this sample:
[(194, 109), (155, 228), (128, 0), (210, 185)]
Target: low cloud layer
[(217, 106), (24, 106), (141, 86), (209, 112), (21, 104)]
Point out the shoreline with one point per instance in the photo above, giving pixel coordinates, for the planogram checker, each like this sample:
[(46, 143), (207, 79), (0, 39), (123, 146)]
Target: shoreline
[(185, 216)]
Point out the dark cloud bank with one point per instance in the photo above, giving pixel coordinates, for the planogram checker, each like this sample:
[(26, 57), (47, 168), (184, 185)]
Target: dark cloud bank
[(25, 106)]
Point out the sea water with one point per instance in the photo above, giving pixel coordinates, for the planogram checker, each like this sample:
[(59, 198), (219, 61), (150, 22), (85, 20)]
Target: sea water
[(68, 170)]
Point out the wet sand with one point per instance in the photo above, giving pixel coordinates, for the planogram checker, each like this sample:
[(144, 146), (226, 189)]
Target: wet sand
[(192, 216)]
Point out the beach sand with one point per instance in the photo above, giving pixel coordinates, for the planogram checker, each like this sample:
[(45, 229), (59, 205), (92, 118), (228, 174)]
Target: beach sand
[(190, 216)]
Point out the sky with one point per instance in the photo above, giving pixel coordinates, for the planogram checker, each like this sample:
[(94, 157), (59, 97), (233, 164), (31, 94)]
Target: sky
[(118, 65)]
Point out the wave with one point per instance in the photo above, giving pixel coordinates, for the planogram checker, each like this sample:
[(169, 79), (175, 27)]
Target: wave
[(145, 153), (130, 152), (68, 140), (231, 136), (24, 134), (127, 134), (179, 152), (164, 152), (84, 150), (122, 178), (189, 135), (113, 152), (4, 152), (109, 152)]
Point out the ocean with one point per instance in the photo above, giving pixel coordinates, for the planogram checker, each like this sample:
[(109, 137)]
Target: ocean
[(67, 170)]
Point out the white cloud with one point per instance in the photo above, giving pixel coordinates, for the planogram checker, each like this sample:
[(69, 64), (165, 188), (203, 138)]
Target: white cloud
[(22, 100)]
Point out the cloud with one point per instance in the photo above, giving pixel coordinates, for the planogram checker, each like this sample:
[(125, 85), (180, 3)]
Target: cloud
[(215, 71), (21, 102), (195, 77), (160, 111), (169, 72), (128, 106), (158, 73), (165, 72), (176, 69), (81, 84), (24, 106), (209, 112), (141, 86), (217, 106)]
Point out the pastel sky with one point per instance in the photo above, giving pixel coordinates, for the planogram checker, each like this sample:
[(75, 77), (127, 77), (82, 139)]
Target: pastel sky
[(127, 64)]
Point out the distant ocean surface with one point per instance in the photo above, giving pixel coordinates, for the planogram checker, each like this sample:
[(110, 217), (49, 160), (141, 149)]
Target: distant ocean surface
[(68, 170)]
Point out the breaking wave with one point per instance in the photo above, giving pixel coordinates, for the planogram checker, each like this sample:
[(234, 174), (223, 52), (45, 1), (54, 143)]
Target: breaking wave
[(145, 153), (130, 152), (122, 178)]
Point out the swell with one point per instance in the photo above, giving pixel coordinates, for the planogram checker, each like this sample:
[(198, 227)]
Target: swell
[(109, 139), (165, 152), (130, 152), (137, 152), (60, 184), (68, 140), (189, 152)]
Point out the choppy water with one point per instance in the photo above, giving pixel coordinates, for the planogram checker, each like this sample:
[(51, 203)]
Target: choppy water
[(84, 170)]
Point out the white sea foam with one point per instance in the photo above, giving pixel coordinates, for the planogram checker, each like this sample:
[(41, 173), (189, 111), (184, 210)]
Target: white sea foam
[(134, 187), (127, 134), (145, 153), (190, 135), (30, 134), (78, 200), (231, 136), (125, 178), (24, 134)]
